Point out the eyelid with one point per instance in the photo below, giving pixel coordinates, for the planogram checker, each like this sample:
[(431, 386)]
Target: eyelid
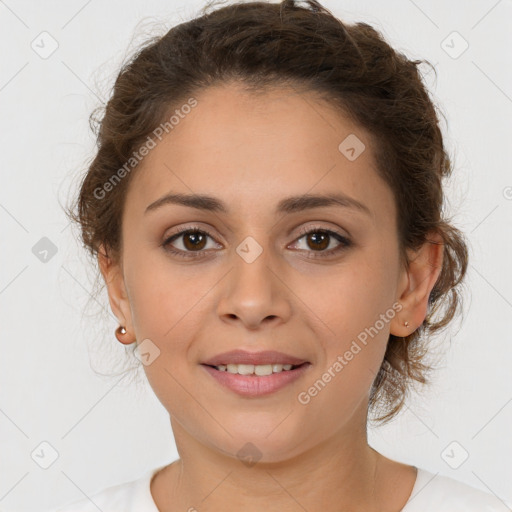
[(315, 227), (185, 229)]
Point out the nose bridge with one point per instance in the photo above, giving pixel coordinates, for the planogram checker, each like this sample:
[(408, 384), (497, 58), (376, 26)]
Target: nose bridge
[(252, 277), (254, 290)]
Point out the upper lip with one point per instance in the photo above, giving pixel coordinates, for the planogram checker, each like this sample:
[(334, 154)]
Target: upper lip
[(256, 358)]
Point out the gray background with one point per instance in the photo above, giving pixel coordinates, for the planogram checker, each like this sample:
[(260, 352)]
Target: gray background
[(108, 430)]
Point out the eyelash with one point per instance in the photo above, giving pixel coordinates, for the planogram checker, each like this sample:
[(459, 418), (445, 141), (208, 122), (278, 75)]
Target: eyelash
[(344, 242)]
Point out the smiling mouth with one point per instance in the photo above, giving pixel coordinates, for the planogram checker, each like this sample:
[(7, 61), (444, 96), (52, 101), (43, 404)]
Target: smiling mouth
[(256, 370)]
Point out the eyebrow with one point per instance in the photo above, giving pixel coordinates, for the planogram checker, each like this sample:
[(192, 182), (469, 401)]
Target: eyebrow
[(288, 205)]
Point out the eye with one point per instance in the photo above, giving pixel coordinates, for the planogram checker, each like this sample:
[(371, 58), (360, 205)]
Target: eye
[(193, 240), (320, 239)]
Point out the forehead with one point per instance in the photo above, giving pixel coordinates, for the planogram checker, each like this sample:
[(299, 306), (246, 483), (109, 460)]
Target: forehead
[(240, 146)]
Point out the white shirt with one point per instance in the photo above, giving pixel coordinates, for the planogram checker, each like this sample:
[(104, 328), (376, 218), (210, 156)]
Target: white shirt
[(431, 493)]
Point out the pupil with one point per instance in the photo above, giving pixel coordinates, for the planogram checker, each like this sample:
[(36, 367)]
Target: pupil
[(196, 238), (321, 235)]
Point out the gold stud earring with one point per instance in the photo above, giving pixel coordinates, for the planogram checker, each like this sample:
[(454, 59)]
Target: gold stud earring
[(120, 331)]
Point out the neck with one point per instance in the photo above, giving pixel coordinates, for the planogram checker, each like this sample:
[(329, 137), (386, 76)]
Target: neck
[(339, 475)]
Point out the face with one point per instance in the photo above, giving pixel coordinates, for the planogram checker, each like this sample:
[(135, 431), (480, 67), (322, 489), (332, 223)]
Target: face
[(200, 281)]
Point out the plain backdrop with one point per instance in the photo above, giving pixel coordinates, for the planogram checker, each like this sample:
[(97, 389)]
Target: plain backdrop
[(58, 62)]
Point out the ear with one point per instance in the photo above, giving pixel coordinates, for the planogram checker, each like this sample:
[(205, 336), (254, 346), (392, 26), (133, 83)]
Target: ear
[(416, 283), (112, 273)]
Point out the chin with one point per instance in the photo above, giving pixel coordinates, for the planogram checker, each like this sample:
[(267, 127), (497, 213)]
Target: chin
[(264, 440)]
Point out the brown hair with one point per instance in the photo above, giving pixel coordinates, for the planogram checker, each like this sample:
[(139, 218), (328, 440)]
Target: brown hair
[(261, 45)]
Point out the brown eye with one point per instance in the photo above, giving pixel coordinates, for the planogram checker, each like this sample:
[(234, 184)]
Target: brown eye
[(317, 240), (193, 243), (191, 240)]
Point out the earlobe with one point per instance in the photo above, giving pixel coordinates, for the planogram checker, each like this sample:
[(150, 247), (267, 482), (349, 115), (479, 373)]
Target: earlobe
[(417, 282)]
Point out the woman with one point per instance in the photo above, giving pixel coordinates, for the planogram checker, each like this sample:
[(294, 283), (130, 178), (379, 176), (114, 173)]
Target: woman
[(265, 207)]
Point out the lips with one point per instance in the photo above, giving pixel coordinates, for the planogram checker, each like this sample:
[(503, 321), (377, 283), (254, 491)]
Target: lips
[(255, 358), (254, 386)]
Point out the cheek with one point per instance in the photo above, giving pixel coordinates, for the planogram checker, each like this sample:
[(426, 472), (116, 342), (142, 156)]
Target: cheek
[(162, 294), (349, 300), (355, 307), (352, 356), (165, 305), (169, 306)]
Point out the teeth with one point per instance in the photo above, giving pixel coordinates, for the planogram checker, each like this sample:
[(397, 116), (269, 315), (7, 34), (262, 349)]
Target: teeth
[(252, 369)]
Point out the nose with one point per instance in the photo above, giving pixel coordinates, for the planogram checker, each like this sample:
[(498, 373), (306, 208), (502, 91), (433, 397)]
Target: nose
[(254, 293)]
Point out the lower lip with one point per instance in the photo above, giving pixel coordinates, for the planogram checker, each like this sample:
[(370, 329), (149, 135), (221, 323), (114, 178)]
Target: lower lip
[(255, 386)]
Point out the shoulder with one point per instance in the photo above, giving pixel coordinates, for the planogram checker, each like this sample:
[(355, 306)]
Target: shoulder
[(132, 496), (444, 494)]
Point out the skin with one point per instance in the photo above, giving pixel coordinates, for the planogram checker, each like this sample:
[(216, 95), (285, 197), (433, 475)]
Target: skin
[(251, 152)]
